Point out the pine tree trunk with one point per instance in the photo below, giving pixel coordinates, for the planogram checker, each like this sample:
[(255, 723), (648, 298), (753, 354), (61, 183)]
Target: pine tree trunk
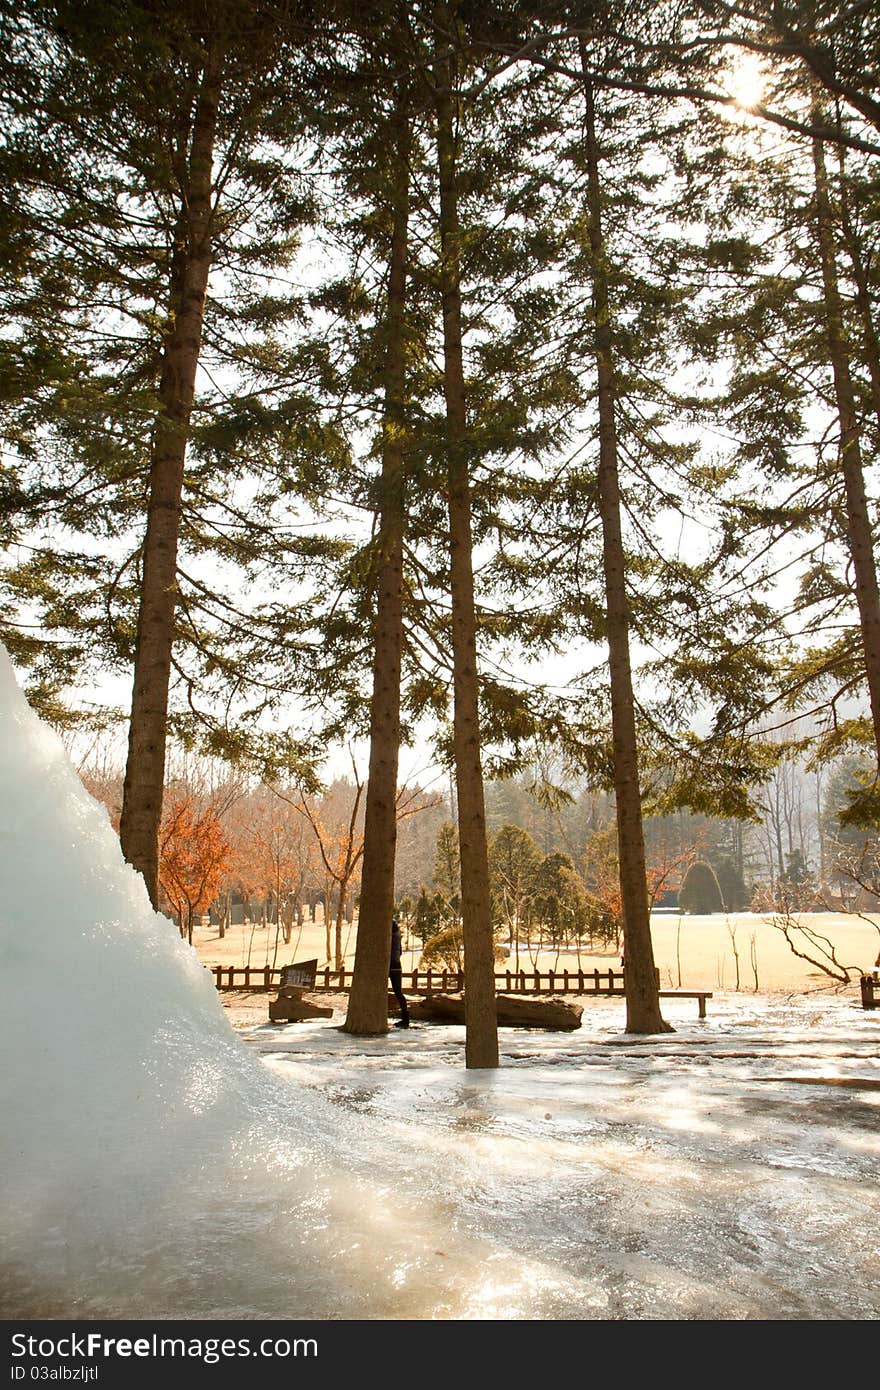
[(145, 766), (368, 1001), (861, 545), (481, 1044), (642, 994), (863, 298)]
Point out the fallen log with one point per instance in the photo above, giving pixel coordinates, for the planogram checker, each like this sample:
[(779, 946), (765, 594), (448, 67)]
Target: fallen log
[(514, 1011), (290, 1007)]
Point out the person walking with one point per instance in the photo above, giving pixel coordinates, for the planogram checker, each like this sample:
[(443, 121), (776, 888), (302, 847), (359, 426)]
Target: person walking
[(395, 975)]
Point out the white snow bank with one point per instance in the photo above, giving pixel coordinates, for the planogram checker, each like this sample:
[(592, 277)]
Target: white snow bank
[(156, 1165)]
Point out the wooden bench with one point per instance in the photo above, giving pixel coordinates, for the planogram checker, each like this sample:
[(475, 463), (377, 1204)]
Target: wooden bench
[(601, 982), (701, 995)]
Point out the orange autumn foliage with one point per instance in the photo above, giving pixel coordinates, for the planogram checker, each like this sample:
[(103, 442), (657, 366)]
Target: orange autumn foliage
[(193, 856)]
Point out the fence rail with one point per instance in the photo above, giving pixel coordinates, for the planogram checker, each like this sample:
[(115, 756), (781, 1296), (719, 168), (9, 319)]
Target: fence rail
[(258, 978)]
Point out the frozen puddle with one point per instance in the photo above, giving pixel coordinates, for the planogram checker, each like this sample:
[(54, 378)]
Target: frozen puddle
[(699, 1176)]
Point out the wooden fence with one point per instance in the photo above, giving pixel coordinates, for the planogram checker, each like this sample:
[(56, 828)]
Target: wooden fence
[(257, 978)]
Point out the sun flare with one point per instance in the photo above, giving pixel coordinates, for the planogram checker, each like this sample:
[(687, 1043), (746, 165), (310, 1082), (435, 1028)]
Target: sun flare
[(747, 82)]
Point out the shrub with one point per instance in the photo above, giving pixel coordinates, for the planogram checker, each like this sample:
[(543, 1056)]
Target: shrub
[(734, 894), (445, 949), (700, 892)]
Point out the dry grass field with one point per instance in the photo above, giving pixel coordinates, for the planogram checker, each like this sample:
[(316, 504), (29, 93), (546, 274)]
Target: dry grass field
[(691, 952)]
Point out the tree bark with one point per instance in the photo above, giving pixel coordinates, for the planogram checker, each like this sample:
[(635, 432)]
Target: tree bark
[(642, 997), (481, 1044), (861, 544), (863, 298), (368, 1001), (328, 940), (145, 766), (339, 956)]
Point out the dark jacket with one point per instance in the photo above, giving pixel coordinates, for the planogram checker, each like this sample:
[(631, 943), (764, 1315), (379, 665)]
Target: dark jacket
[(394, 963)]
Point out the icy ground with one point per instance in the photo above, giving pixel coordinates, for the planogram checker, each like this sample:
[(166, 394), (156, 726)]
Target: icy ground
[(728, 1170), (155, 1164)]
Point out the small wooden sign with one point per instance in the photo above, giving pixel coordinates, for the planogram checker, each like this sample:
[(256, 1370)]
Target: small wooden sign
[(301, 973)]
